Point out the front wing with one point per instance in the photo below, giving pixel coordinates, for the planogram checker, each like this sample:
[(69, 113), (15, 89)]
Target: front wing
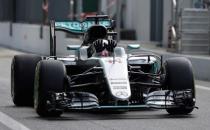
[(86, 101)]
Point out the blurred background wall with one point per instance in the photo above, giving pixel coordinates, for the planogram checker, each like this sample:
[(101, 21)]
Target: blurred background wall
[(146, 20)]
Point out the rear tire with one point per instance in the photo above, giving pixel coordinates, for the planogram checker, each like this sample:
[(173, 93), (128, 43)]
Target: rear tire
[(22, 79), (50, 75), (179, 76)]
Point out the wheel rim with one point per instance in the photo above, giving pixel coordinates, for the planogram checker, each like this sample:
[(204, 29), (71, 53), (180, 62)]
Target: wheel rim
[(12, 81), (36, 86)]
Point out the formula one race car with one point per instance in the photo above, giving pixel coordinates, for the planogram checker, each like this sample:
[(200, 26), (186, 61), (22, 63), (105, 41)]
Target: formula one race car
[(100, 76)]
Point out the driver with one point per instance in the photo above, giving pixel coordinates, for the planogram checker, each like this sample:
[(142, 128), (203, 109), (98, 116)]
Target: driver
[(95, 39)]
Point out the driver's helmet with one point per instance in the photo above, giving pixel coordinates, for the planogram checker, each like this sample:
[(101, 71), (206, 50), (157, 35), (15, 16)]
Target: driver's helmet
[(93, 33)]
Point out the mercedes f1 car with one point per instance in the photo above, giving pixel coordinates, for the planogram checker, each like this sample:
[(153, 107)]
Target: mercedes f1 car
[(100, 75)]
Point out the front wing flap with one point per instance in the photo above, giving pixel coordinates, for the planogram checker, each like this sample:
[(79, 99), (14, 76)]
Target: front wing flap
[(87, 101)]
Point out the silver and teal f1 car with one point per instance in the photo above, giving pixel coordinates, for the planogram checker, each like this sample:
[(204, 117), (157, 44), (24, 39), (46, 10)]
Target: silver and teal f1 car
[(100, 76)]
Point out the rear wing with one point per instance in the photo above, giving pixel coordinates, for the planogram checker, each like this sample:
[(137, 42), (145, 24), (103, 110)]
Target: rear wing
[(77, 28), (72, 27)]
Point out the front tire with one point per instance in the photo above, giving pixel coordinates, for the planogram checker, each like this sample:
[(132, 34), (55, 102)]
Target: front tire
[(50, 75), (179, 76), (22, 79)]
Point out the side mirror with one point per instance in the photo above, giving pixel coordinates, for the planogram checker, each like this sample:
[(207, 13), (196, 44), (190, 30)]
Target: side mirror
[(73, 47), (133, 46)]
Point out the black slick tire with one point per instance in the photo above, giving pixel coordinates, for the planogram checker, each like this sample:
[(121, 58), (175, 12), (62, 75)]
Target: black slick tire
[(179, 76), (22, 79), (50, 76)]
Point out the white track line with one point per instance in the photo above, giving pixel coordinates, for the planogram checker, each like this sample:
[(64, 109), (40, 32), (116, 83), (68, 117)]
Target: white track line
[(203, 87), (11, 123)]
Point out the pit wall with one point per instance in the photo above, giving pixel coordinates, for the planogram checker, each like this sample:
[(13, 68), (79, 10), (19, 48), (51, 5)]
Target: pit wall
[(26, 37)]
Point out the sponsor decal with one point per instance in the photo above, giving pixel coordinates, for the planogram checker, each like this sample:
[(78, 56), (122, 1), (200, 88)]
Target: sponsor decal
[(118, 82), (119, 87), (121, 93)]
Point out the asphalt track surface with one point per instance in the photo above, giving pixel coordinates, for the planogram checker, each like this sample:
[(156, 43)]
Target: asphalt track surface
[(25, 118)]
